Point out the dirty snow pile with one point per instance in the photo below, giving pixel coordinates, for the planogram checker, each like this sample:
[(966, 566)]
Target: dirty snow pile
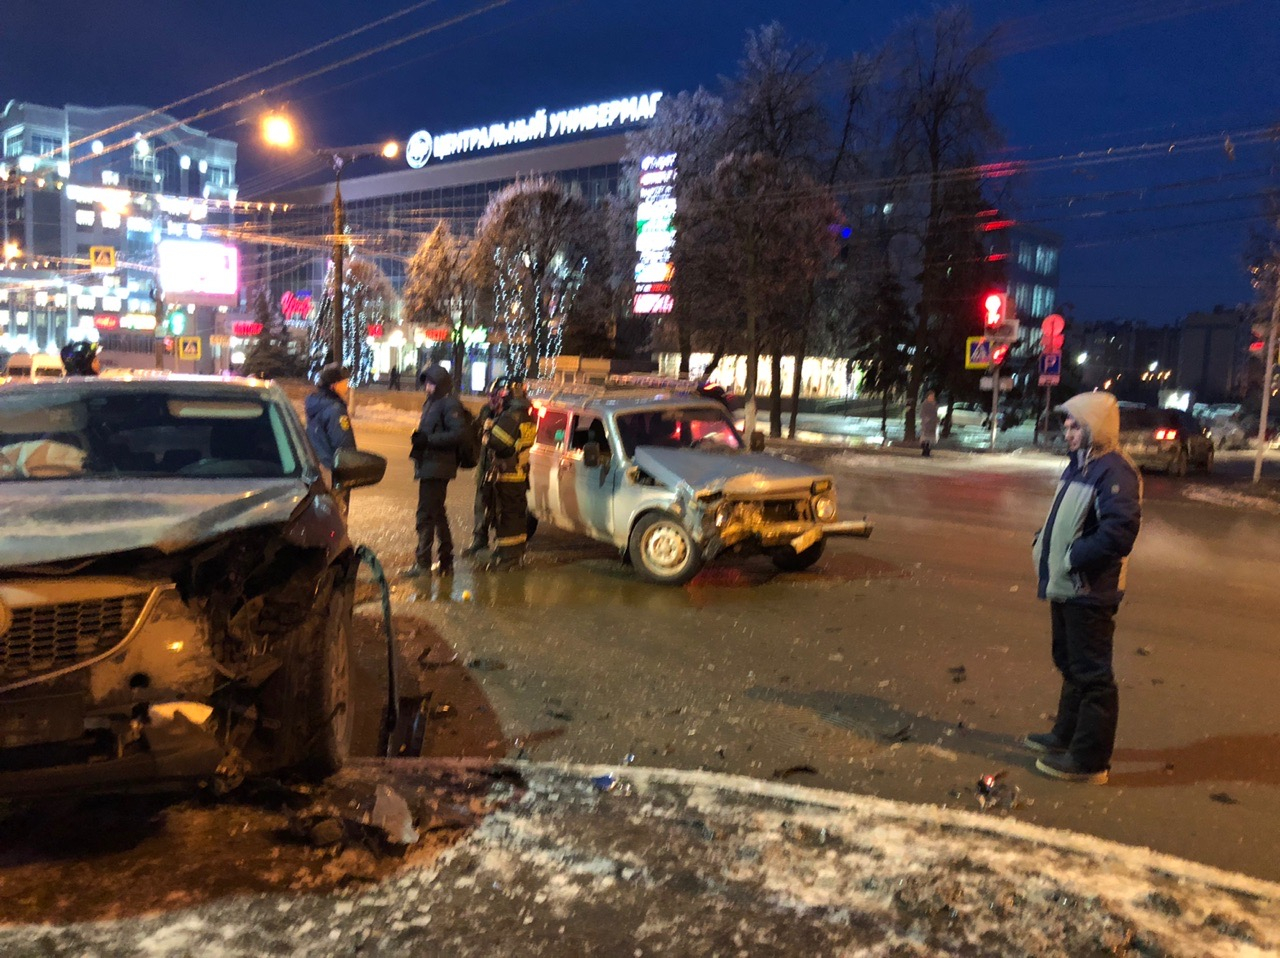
[(657, 862)]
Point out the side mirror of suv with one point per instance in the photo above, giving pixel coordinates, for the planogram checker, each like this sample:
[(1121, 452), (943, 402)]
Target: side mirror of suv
[(591, 455), (756, 443), (353, 468)]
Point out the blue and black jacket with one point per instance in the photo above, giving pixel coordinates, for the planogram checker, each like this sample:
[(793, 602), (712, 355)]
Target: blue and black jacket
[(328, 425), (1081, 551)]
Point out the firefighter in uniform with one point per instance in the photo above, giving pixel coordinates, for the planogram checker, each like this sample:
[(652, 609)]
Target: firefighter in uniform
[(510, 439)]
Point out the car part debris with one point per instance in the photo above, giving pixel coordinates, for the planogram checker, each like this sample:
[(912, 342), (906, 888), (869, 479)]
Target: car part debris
[(486, 665), (609, 783), (391, 815), (993, 792), (958, 674), (1224, 798)]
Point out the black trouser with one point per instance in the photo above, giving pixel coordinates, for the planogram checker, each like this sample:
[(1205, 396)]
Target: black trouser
[(512, 520), (482, 519), (1089, 704), (433, 522)]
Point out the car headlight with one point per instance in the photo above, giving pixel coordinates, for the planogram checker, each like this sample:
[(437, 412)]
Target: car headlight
[(824, 507)]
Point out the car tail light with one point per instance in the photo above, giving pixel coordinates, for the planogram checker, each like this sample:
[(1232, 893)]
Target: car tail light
[(1166, 434)]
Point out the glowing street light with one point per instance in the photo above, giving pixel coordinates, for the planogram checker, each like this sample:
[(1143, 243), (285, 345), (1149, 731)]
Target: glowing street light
[(278, 133)]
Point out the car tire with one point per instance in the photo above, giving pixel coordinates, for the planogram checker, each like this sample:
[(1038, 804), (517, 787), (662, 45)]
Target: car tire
[(662, 550), (309, 697), (788, 560), (1179, 465)]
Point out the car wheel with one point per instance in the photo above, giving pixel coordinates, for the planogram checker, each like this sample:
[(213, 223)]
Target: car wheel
[(788, 560), (309, 697), (1179, 465), (662, 550)]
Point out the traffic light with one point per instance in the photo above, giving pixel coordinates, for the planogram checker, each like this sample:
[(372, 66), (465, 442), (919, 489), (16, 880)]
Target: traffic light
[(1051, 333), (993, 311), (168, 345), (998, 353)]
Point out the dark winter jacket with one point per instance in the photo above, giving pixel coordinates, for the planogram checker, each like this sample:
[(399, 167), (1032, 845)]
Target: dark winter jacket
[(1081, 552), (435, 441), (328, 426)]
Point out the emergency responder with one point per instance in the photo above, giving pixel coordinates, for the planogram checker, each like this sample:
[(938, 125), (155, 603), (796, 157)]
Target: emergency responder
[(81, 359), (484, 514), (510, 439), (328, 420)]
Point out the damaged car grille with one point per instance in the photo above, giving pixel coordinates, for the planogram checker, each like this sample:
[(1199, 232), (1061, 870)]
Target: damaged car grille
[(781, 511), (46, 638)]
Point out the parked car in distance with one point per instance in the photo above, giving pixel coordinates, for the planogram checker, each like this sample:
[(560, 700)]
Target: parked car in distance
[(176, 585), (1227, 431), (29, 367), (1171, 440), (662, 474)]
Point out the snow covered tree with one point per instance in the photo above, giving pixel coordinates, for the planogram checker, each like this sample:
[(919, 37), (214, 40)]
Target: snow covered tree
[(438, 289), (368, 299), (537, 246)]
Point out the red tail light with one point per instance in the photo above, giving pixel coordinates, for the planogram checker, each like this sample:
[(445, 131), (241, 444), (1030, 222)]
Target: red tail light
[(1166, 434)]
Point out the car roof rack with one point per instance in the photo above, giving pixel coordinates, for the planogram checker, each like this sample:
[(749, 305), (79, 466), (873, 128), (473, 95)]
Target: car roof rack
[(573, 386)]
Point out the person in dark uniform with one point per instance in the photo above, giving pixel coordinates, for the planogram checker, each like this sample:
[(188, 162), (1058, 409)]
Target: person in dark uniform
[(510, 439), (435, 462), (81, 359), (328, 423), (484, 517)]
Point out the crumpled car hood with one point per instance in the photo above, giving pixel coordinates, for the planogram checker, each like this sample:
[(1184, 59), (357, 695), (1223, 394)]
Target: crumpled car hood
[(734, 474), (54, 520)]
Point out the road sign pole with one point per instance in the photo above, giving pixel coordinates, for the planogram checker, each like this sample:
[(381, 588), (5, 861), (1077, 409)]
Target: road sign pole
[(995, 403)]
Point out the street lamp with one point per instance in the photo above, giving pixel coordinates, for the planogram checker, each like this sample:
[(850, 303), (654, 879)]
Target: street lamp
[(278, 133)]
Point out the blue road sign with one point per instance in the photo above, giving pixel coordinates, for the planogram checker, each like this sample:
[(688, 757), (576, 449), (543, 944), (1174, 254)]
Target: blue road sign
[(1051, 364), (977, 353)]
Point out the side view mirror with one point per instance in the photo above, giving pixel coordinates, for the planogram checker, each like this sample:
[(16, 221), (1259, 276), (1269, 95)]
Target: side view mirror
[(353, 468), (756, 443), (591, 455)]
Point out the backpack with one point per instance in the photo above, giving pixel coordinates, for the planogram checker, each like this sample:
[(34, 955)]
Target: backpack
[(469, 444)]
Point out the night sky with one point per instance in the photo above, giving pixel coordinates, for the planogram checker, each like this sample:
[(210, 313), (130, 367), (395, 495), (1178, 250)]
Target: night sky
[(1150, 233)]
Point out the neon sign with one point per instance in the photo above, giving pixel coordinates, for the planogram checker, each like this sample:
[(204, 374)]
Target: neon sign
[(655, 235), (422, 146), (296, 304)]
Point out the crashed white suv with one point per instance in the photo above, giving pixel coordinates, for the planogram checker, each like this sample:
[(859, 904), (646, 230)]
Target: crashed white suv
[(662, 474)]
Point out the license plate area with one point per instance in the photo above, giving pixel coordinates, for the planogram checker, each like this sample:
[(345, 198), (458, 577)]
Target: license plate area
[(41, 719)]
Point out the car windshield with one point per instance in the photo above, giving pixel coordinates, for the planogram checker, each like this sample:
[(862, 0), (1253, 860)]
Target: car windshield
[(689, 427), (88, 434)]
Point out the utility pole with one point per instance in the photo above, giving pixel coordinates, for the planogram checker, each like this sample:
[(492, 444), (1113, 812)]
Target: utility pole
[(339, 250), (1269, 363)]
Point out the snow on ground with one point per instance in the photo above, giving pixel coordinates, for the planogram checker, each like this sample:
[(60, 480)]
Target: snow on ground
[(1231, 498), (694, 863)]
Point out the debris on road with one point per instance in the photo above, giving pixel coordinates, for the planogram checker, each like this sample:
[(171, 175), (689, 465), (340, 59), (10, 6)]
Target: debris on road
[(486, 665), (1224, 798), (958, 673), (993, 792), (782, 774)]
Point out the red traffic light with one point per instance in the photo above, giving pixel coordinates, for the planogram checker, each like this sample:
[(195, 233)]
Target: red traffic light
[(1051, 333), (993, 306), (998, 353)]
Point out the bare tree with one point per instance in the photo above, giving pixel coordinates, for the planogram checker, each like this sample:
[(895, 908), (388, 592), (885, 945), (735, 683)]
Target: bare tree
[(536, 247), (942, 126)]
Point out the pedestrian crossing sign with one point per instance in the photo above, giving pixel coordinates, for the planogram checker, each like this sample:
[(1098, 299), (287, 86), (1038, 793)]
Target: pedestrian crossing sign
[(977, 352), (189, 347), (102, 258)]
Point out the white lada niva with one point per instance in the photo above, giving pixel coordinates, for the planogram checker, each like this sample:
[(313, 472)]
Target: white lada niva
[(663, 474)]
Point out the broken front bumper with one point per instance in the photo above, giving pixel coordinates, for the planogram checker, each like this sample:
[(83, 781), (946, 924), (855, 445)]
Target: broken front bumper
[(798, 534)]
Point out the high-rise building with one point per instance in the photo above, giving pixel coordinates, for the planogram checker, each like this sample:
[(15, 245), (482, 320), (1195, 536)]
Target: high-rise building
[(87, 195)]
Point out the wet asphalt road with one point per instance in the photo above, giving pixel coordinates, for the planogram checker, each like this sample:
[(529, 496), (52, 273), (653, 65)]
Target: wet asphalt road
[(905, 666)]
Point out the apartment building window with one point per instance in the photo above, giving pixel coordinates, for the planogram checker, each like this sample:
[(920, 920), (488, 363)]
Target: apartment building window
[(1027, 255), (43, 145), (1046, 260), (219, 177)]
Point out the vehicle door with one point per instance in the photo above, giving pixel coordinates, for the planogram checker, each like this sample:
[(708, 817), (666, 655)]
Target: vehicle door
[(1199, 444), (586, 492), (544, 465)]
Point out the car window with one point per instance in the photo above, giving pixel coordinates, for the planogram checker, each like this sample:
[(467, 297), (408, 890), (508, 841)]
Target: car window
[(551, 427), (144, 434), (1135, 419), (588, 428), (684, 428)]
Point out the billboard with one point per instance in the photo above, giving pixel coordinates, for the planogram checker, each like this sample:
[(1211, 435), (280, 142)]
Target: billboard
[(655, 235), (199, 272)]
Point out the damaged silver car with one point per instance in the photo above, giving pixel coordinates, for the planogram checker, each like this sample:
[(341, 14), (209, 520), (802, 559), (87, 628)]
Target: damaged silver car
[(664, 475), (176, 585)]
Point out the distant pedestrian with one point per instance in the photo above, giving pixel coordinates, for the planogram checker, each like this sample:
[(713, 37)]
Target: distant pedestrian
[(435, 461), (393, 378), (484, 511), (328, 421), (510, 439), (1080, 555), (928, 423)]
